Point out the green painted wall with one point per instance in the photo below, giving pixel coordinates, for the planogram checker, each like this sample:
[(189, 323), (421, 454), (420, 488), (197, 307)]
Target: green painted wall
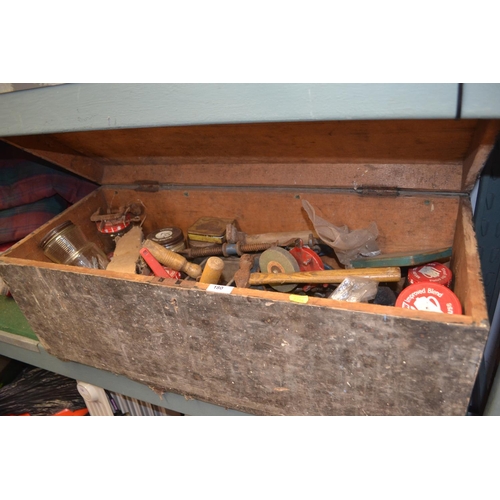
[(87, 106)]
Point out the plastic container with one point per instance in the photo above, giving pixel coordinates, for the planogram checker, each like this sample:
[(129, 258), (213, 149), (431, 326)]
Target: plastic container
[(66, 244)]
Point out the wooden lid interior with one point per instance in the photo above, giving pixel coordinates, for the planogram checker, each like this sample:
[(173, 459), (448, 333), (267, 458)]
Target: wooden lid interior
[(427, 155)]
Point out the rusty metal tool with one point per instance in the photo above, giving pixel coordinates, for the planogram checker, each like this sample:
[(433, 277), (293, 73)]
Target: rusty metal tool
[(307, 259), (226, 249), (233, 235), (242, 275), (383, 274), (134, 209)]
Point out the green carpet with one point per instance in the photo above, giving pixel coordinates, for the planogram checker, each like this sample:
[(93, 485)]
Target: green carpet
[(12, 320)]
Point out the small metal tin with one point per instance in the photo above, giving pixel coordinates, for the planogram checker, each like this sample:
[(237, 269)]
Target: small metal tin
[(209, 229), (429, 297), (200, 244), (433, 272), (171, 238)]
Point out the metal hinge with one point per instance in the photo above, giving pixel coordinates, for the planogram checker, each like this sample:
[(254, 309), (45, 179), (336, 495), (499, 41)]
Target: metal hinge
[(149, 186), (377, 191)]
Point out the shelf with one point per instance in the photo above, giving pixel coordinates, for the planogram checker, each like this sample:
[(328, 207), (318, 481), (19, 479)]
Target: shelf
[(87, 106)]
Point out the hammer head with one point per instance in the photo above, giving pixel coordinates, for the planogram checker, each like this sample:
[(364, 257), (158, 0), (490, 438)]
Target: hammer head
[(242, 275)]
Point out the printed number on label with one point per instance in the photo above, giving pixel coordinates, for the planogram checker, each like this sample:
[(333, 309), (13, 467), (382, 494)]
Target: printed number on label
[(220, 288)]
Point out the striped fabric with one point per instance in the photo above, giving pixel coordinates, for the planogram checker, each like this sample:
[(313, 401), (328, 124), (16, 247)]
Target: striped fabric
[(31, 194), (18, 222), (23, 182)]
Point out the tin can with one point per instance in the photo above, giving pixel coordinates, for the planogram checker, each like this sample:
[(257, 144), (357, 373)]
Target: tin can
[(429, 297), (211, 230), (171, 238), (200, 244), (434, 272)]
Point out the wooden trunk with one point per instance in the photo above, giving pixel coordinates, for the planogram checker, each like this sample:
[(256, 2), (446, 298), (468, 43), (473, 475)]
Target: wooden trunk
[(259, 351)]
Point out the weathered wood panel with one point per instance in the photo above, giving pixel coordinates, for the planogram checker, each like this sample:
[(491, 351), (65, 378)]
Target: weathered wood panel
[(252, 350), (437, 141), (50, 149), (468, 283), (252, 354), (79, 214), (409, 154)]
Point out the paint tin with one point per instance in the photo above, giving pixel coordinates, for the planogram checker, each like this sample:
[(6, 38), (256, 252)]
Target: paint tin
[(429, 297), (434, 272), (209, 230), (171, 238)]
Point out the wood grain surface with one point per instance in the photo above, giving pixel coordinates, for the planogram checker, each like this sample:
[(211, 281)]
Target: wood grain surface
[(252, 354), (408, 154), (399, 219), (468, 283)]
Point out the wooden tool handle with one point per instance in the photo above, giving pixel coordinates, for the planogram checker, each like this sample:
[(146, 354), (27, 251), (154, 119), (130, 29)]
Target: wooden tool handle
[(389, 274), (173, 260), (212, 271)]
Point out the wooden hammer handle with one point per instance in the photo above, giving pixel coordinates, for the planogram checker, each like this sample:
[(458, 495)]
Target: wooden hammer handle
[(389, 274), (173, 260)]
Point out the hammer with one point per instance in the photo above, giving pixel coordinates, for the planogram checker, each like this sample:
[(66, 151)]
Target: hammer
[(383, 274)]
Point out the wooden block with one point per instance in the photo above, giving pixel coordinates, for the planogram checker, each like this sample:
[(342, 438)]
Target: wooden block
[(127, 252)]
